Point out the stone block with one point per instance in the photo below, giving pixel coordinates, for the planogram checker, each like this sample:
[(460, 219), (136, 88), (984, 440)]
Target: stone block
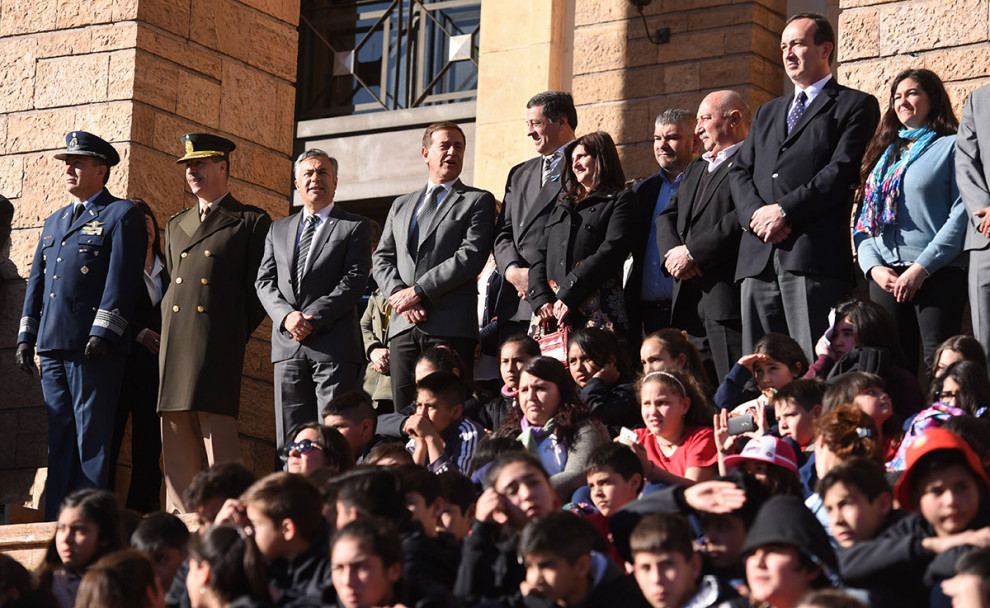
[(875, 75), (725, 16), (171, 15), (275, 203), (198, 99), (926, 24), (591, 12), (111, 121), (180, 51), (274, 47), (11, 175), (41, 130), (517, 26), (77, 13), (27, 16), (263, 167), (121, 75), (24, 487), (125, 10), (155, 81), (114, 37), (284, 10), (507, 80), (859, 34), (608, 47), (220, 25), (168, 129), (257, 360), (142, 124), (256, 106), (680, 78), (959, 63), (154, 176), (691, 46), (18, 57), (71, 81), (726, 72), (3, 135), (626, 122), (637, 160), (21, 390), (44, 189), (23, 244), (66, 42), (257, 415)]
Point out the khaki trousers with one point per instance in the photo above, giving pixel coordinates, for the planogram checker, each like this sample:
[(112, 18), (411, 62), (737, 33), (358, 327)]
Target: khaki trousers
[(183, 434)]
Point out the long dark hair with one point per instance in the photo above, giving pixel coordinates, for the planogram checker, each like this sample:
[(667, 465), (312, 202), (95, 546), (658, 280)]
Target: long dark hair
[(609, 177), (119, 580), (682, 383), (872, 326), (941, 118), (600, 345), (97, 506), (236, 565), (571, 410), (336, 450), (156, 246), (974, 385)]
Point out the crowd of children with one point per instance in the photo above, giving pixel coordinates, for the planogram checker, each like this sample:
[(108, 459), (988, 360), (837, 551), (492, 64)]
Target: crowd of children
[(828, 484)]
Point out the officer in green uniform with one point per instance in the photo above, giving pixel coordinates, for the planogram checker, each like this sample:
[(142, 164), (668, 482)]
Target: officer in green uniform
[(212, 253)]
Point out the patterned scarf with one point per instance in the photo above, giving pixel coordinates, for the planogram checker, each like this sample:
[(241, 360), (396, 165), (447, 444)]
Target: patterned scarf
[(884, 184), (532, 435)]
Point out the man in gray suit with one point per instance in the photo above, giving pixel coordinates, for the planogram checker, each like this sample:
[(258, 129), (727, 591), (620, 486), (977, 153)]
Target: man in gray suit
[(314, 271), (973, 178), (530, 193), (434, 244)]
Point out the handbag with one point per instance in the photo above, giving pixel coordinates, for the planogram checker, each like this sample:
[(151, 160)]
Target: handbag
[(553, 344)]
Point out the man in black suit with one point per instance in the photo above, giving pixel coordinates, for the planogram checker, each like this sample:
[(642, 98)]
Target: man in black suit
[(648, 292), (434, 244), (698, 234), (792, 184), (314, 271), (530, 192)]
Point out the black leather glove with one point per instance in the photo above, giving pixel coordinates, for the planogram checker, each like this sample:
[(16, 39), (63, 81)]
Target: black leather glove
[(25, 358), (96, 347)]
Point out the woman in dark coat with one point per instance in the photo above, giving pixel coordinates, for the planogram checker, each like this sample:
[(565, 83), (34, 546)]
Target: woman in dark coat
[(578, 276), (139, 390)]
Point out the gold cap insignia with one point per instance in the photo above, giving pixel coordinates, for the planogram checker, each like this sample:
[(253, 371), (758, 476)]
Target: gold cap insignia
[(189, 147), (84, 270)]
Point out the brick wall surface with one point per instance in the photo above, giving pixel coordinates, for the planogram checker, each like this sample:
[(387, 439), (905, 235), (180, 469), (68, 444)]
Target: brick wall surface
[(879, 38), (622, 80), (139, 73)]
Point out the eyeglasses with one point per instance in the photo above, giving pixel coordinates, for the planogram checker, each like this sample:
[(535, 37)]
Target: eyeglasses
[(301, 447), (946, 396)]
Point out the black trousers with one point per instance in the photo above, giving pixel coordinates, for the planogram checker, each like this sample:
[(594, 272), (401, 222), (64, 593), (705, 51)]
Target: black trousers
[(934, 315), (405, 348), (139, 399)]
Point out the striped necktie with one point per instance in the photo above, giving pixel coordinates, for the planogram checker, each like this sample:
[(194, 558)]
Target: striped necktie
[(304, 242)]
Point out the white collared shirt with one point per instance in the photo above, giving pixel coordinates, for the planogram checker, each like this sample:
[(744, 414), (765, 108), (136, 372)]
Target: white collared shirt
[(811, 92), (717, 159), (321, 220), (153, 282), (86, 204)]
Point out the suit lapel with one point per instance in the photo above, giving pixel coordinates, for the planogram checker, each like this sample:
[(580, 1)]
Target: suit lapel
[(822, 100), (453, 196), (539, 198), (88, 215), (405, 208), (286, 241), (721, 172), (218, 219), (333, 218)]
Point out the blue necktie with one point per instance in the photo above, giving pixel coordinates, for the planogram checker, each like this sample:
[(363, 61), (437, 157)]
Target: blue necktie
[(795, 114)]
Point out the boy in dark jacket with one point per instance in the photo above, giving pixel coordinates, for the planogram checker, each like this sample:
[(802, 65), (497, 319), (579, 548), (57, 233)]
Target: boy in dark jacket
[(563, 571), (668, 570), (440, 437), (945, 487)]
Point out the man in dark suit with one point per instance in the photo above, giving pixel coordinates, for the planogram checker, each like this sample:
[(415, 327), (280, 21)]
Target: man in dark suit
[(530, 193), (792, 184), (80, 296), (973, 177), (698, 234), (434, 244), (648, 292), (212, 254), (314, 271)]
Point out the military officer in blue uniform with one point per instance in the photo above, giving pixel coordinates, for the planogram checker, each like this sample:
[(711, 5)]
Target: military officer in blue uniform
[(83, 285)]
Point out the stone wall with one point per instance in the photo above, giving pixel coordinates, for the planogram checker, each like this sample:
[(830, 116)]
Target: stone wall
[(139, 73), (879, 38)]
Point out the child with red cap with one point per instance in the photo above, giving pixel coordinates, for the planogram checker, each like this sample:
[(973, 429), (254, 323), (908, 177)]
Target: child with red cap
[(945, 488)]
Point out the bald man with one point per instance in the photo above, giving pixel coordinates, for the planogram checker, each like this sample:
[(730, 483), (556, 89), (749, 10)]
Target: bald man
[(698, 234)]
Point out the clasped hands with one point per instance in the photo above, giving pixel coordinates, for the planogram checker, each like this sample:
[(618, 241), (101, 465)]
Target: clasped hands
[(904, 286), (679, 265), (769, 224), (407, 303)]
